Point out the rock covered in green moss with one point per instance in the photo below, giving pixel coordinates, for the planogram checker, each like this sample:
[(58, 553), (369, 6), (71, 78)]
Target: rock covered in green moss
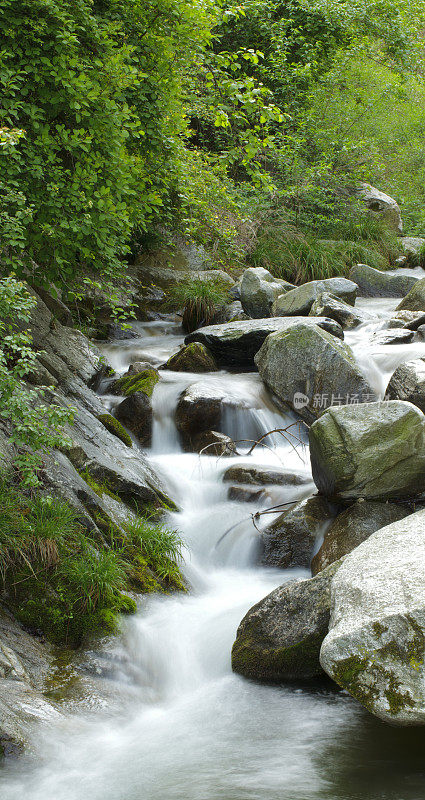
[(144, 381), (114, 426), (375, 648), (310, 369), (279, 639), (193, 357), (234, 344), (352, 527), (135, 412), (374, 451)]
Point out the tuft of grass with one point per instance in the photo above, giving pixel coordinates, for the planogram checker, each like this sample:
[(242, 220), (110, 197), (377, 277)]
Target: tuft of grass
[(60, 582), (200, 300), (297, 256)]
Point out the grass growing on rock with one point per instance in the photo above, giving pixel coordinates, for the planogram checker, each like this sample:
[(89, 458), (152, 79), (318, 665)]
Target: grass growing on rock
[(200, 300), (60, 582)]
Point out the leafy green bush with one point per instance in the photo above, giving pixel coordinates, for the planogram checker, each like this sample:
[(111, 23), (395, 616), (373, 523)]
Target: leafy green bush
[(35, 426), (200, 300)]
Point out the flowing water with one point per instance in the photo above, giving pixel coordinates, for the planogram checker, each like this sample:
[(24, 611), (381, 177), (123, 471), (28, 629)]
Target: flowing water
[(186, 728)]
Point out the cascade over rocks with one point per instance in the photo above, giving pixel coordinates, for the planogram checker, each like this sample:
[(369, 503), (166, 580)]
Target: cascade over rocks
[(279, 639), (375, 648), (235, 344), (310, 369), (375, 451), (329, 305), (377, 283), (415, 299), (408, 383), (289, 541), (199, 410), (299, 301), (259, 288), (352, 527)]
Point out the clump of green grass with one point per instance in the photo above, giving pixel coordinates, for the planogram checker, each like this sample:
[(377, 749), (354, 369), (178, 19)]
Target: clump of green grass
[(59, 581), (200, 300), (298, 256)]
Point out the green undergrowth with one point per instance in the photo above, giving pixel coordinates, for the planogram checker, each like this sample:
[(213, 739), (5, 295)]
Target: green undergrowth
[(61, 583), (200, 300), (299, 256), (144, 381)]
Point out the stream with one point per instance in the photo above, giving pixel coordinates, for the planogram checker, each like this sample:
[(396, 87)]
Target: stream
[(187, 728)]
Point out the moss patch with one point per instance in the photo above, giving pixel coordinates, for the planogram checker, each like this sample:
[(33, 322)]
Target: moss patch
[(113, 426), (144, 381)]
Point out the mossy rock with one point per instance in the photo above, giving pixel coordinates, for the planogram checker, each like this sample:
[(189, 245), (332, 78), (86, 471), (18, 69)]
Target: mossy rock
[(114, 426), (194, 357), (144, 381)]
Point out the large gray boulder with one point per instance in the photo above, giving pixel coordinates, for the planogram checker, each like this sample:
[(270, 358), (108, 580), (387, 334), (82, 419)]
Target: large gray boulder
[(279, 639), (352, 527), (235, 344), (377, 283), (375, 648), (310, 370), (408, 383), (300, 300), (375, 451), (329, 305), (415, 299), (259, 289), (381, 205), (290, 540)]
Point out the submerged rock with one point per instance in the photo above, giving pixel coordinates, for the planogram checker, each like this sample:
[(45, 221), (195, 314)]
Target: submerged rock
[(243, 495), (408, 383), (264, 476), (375, 451), (415, 299), (290, 540), (279, 639), (259, 289), (213, 443), (377, 283), (299, 301), (235, 344), (311, 370), (329, 305), (375, 648), (352, 527), (193, 357)]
